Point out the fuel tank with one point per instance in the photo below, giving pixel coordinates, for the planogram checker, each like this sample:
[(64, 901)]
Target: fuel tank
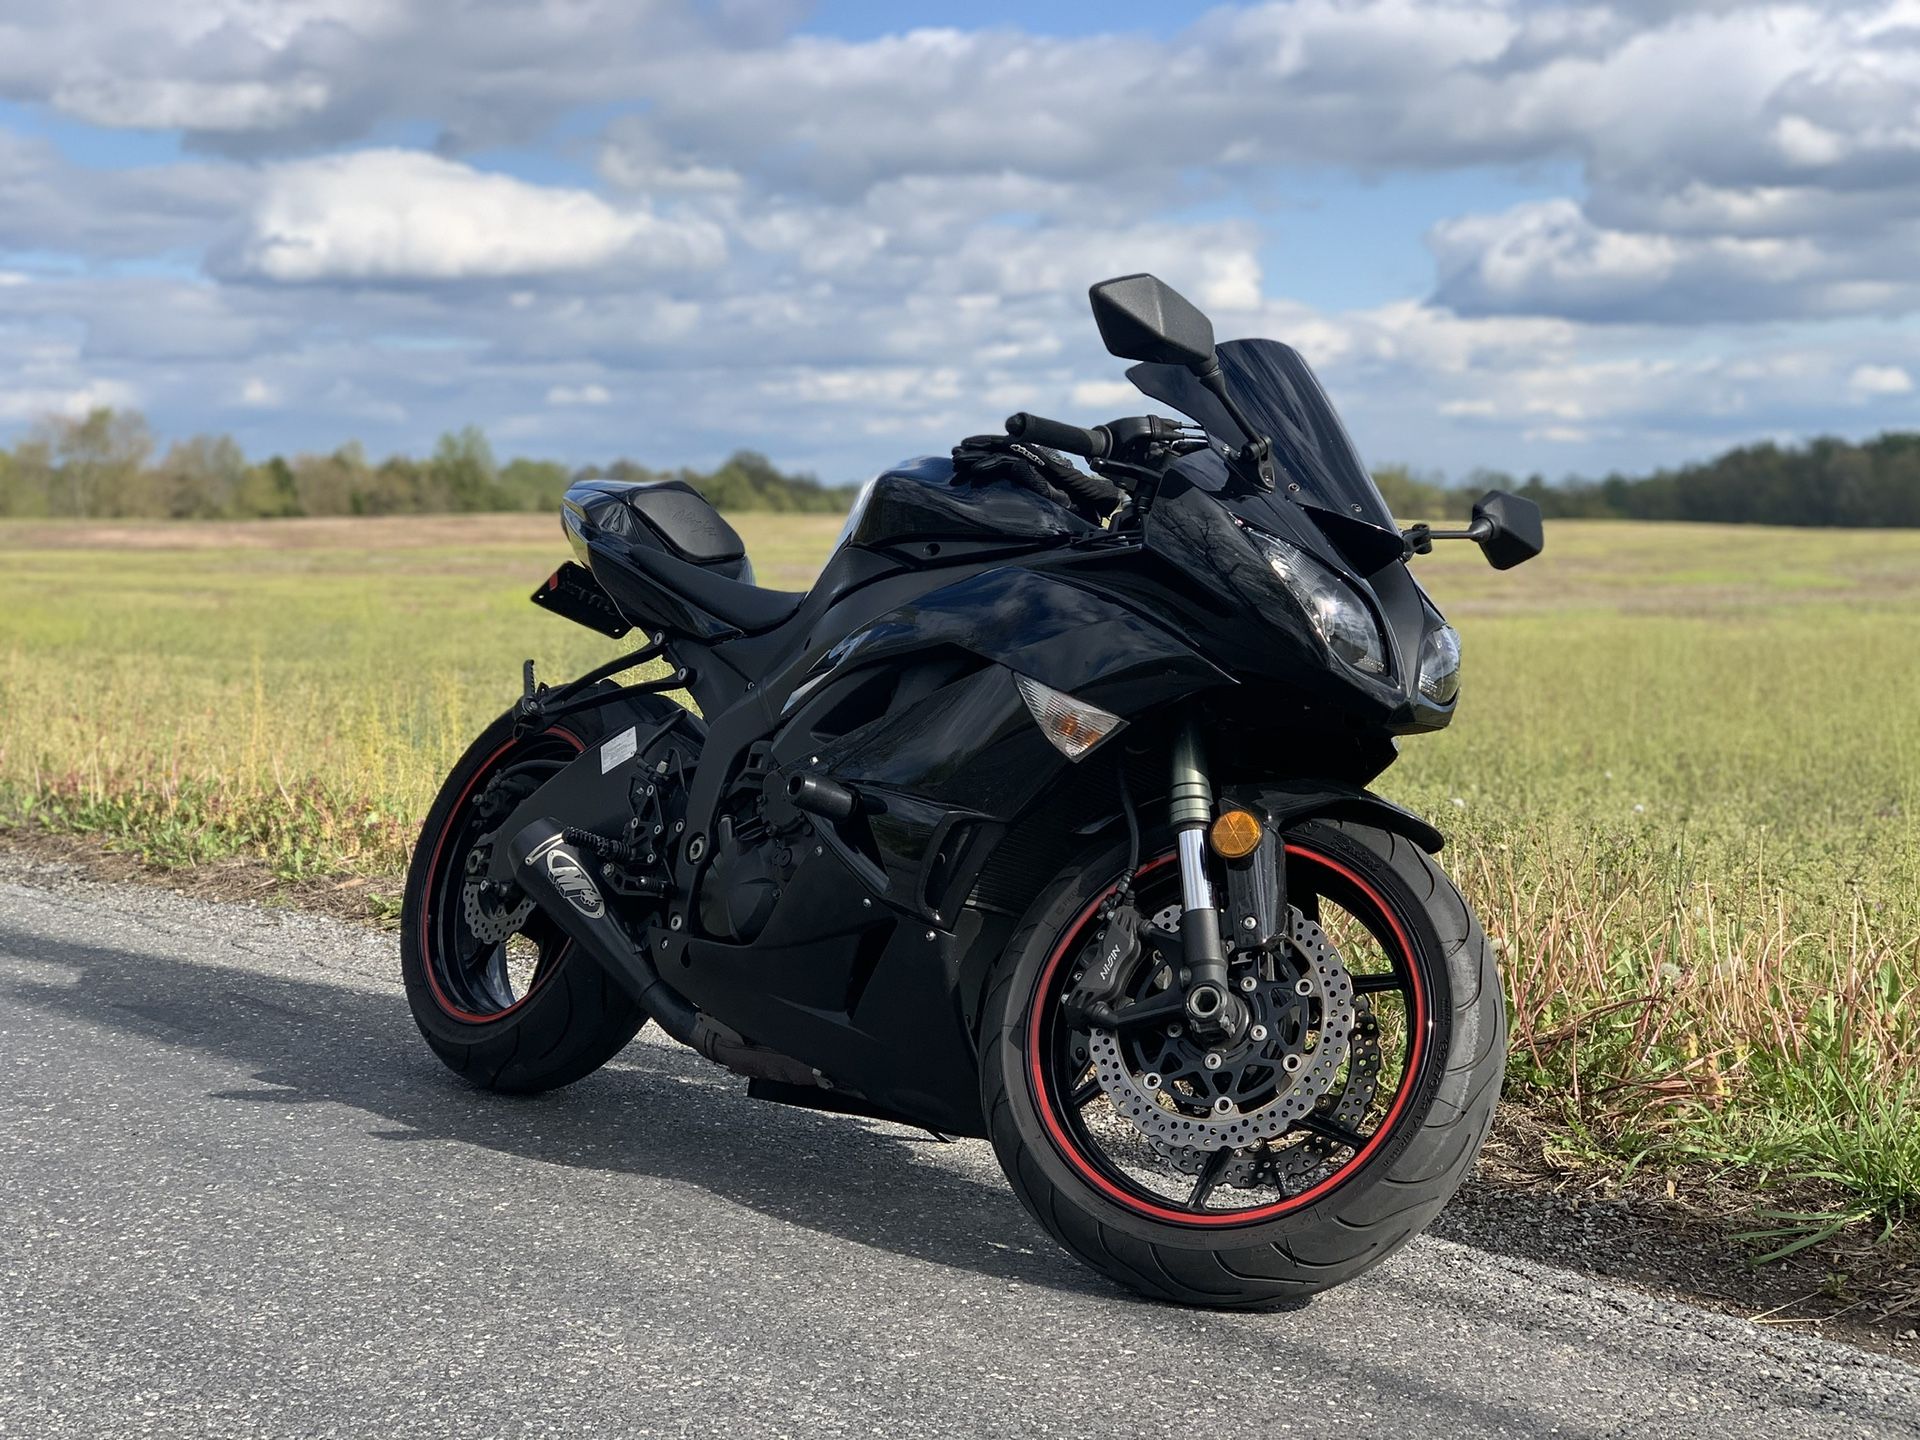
[(924, 502)]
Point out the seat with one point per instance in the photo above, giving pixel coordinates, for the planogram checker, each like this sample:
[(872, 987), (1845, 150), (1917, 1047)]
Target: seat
[(668, 557), (747, 607)]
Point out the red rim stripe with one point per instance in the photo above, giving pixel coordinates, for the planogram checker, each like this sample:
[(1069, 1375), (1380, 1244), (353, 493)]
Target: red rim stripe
[(440, 997), (1070, 1152)]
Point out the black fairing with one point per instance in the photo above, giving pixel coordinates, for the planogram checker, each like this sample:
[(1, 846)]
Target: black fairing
[(1318, 465)]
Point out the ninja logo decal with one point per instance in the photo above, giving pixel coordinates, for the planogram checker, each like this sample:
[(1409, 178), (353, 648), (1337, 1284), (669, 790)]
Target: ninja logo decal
[(568, 877)]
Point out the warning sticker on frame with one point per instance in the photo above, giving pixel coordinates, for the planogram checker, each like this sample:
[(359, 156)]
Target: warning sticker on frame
[(619, 748)]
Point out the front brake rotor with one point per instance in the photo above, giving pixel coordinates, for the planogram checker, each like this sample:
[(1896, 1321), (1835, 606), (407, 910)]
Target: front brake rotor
[(1158, 1113), (1303, 1163)]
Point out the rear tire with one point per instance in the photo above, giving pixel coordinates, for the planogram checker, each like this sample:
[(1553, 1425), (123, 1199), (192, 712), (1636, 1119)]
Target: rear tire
[(1383, 1195), (565, 1020)]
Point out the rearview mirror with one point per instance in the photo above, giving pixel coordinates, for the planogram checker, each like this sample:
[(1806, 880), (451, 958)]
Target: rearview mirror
[(1143, 318), (1512, 530)]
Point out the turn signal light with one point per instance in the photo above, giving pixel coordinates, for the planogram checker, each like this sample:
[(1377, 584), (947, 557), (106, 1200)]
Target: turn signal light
[(1236, 835), (1073, 726)]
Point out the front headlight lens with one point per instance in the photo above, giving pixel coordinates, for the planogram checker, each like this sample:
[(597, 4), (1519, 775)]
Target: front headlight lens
[(1440, 665), (1341, 616)]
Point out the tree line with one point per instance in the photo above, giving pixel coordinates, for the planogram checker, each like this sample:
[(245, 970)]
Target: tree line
[(1869, 484), (106, 465)]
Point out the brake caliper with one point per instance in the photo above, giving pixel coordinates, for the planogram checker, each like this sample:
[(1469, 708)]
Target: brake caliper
[(1108, 968)]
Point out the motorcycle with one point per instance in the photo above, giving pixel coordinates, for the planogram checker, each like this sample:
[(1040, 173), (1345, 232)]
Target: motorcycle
[(1041, 817)]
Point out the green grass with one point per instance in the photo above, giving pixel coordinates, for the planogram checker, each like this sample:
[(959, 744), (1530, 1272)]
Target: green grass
[(1683, 789)]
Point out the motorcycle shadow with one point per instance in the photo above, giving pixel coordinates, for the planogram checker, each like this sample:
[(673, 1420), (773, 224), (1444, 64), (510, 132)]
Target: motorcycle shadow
[(658, 1111)]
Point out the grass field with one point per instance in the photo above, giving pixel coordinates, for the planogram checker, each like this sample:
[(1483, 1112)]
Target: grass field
[(1684, 787)]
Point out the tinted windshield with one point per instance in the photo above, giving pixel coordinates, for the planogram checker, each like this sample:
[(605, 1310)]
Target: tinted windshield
[(1279, 393)]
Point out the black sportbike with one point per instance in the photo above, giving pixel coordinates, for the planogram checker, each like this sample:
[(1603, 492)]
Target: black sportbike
[(1042, 816)]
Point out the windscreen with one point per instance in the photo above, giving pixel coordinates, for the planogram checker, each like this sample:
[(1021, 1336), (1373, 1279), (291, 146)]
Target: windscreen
[(1280, 394)]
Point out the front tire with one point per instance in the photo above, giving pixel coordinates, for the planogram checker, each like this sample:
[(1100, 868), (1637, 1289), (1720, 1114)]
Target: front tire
[(1348, 1206), (525, 1012)]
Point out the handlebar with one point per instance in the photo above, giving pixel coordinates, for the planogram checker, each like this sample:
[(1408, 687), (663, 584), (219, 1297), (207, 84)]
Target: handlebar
[(1092, 444)]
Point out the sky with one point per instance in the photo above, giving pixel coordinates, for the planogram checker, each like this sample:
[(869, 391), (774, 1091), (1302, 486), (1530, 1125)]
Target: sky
[(1554, 238)]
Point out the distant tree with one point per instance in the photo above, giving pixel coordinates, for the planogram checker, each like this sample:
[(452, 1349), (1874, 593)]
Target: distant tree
[(99, 463), (1412, 498), (26, 479), (461, 475), (397, 486), (269, 491), (203, 478), (328, 484), (532, 484)]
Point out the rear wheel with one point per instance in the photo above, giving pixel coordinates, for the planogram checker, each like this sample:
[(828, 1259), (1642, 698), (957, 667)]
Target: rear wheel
[(1254, 1174), (498, 991)]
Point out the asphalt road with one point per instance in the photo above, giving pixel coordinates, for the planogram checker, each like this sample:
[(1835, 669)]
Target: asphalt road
[(239, 1197)]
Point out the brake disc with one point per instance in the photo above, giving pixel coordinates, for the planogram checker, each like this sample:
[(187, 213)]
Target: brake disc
[(490, 926), (1157, 1114), (1305, 1162)]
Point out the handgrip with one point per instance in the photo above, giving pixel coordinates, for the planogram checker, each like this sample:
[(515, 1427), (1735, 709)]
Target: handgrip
[(1058, 435)]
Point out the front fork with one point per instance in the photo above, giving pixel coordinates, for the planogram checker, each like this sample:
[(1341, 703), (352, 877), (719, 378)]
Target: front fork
[(1213, 1010)]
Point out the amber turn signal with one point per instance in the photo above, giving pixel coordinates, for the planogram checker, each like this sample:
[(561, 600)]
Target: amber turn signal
[(1236, 834)]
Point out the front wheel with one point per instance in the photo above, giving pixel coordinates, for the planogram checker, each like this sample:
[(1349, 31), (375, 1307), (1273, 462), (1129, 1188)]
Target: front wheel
[(1252, 1175)]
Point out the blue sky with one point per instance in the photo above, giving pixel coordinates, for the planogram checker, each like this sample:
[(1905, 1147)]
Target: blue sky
[(1566, 238)]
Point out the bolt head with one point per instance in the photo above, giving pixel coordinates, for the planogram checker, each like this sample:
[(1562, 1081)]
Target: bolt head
[(1258, 1032), (1250, 923), (1213, 1060), (1249, 984), (674, 922)]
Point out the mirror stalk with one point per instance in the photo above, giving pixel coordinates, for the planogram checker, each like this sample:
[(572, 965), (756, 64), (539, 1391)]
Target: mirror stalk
[(1505, 527), (1420, 538), (1257, 453)]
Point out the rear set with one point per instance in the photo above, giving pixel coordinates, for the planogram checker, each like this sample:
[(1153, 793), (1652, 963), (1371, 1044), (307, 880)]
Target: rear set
[(1042, 816)]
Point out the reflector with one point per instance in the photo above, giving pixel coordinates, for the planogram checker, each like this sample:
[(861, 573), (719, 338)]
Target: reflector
[(1236, 834)]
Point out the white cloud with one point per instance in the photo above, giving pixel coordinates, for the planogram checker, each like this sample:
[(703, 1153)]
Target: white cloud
[(23, 404), (892, 237), (1872, 381), (1547, 257), (157, 104), (1103, 394), (589, 394), (405, 215)]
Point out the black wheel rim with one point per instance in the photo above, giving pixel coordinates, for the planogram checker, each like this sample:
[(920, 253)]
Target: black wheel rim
[(479, 978), (1245, 1184)]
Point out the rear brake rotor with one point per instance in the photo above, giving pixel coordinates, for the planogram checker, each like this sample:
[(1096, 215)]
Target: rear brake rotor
[(489, 924)]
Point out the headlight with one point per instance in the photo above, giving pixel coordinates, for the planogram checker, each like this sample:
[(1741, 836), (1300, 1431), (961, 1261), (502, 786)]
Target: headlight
[(1440, 665), (1341, 616)]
